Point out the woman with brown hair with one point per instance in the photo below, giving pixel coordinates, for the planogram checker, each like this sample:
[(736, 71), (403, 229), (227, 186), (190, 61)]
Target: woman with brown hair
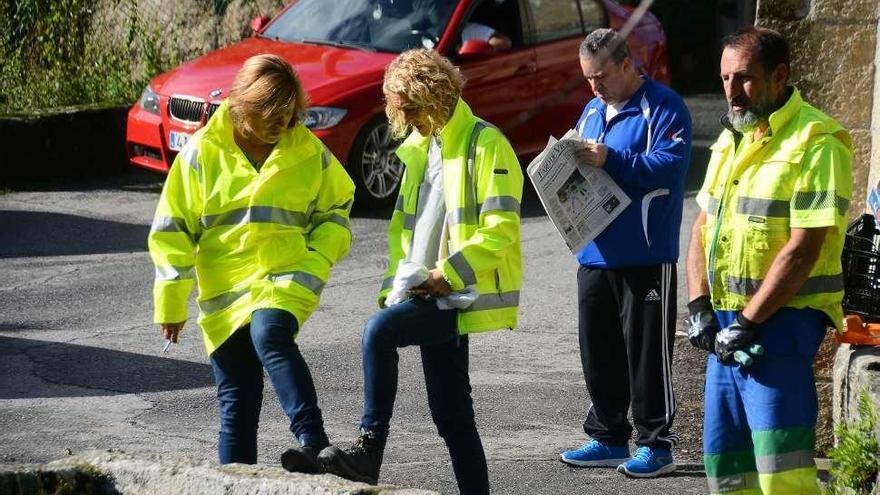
[(258, 210)]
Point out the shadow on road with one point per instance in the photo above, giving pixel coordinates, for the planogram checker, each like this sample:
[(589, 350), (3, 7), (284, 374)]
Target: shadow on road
[(94, 371), (126, 178), (688, 471), (31, 233)]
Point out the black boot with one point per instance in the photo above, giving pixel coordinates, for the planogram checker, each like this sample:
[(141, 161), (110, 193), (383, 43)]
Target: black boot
[(360, 462), (302, 460)]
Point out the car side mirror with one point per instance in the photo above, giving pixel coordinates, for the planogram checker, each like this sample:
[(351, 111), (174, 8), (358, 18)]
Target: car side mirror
[(259, 22), (475, 49)]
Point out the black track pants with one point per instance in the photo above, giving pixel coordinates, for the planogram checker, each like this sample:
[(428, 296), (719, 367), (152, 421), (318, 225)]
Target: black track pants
[(626, 327)]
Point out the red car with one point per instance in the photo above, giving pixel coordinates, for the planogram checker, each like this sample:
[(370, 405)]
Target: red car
[(341, 48)]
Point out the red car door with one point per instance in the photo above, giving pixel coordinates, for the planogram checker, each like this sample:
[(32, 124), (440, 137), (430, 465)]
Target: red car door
[(500, 86), (557, 28)]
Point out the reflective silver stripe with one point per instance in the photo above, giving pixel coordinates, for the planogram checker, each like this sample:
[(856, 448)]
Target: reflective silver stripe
[(712, 207), (820, 284), (733, 483), (270, 214), (171, 272), (190, 155), (463, 268), (471, 192), (344, 206), (409, 221), (461, 215), (325, 159), (332, 218), (169, 224), (819, 200), (305, 279), (785, 462), (311, 208), (256, 214), (387, 283), (218, 303), (762, 207), (500, 203), (399, 204), (495, 203), (232, 217), (495, 301)]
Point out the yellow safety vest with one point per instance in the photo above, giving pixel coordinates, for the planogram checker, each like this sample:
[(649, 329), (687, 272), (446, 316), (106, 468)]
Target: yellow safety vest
[(254, 240), (799, 175), (482, 187)]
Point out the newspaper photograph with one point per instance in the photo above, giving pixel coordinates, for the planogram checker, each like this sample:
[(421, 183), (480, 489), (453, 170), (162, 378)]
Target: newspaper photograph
[(580, 200)]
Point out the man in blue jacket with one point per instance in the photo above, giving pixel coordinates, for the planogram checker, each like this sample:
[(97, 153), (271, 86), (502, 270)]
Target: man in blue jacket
[(638, 131)]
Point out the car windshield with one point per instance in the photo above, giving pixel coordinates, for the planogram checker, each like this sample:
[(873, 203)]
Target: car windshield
[(384, 25)]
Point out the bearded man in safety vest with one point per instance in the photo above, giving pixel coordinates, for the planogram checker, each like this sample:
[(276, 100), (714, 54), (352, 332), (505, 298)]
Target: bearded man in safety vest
[(258, 210), (764, 272), (454, 264)]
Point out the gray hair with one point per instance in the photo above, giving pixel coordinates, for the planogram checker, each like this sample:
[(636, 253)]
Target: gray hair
[(605, 39)]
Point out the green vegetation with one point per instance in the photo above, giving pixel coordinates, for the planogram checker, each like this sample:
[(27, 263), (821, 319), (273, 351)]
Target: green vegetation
[(59, 53), (856, 458)]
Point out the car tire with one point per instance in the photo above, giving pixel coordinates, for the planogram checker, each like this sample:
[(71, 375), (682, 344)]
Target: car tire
[(375, 168)]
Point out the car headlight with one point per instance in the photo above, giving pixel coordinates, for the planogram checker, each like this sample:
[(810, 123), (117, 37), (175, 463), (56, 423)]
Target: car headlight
[(323, 117), (149, 100)]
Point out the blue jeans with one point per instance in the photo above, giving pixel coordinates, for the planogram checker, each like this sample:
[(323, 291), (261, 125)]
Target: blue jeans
[(445, 363), (268, 342)]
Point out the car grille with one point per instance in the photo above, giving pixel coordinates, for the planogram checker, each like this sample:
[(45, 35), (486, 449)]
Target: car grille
[(212, 107), (186, 109)]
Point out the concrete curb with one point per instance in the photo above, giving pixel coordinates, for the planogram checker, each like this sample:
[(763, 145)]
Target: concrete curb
[(116, 472), (856, 369)]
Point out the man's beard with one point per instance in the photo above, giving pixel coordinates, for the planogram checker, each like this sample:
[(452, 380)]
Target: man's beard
[(749, 119)]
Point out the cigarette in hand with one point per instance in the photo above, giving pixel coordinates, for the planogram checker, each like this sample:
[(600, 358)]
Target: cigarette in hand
[(165, 349)]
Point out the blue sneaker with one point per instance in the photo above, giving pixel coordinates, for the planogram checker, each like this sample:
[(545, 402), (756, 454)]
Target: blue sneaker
[(648, 462), (596, 454)]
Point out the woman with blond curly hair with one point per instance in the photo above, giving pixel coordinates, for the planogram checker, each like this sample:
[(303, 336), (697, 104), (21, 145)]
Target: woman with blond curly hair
[(454, 264), (255, 208)]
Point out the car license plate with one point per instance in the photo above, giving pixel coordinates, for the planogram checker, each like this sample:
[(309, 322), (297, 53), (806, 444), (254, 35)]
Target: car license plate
[(177, 140)]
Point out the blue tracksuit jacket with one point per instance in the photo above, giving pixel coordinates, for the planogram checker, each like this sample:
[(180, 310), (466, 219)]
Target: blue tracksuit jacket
[(649, 149)]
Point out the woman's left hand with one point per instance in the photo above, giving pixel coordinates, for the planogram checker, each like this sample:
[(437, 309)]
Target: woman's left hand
[(436, 285)]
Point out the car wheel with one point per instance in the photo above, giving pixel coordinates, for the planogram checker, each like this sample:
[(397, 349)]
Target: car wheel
[(375, 168)]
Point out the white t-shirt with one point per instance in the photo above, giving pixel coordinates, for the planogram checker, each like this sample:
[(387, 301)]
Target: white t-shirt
[(613, 110), (430, 212)]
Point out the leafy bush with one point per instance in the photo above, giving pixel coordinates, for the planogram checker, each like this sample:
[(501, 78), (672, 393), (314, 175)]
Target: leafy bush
[(56, 53), (856, 458)]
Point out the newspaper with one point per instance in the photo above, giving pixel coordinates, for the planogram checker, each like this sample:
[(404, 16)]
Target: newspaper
[(579, 199)]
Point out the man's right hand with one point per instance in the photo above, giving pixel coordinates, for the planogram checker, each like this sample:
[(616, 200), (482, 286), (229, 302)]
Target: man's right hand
[(704, 324), (171, 331), (736, 343)]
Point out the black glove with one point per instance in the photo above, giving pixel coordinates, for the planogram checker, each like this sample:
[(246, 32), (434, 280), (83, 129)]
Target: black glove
[(703, 324), (735, 343)]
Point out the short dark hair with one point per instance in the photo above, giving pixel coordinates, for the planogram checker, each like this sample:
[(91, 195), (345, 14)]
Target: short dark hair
[(605, 39), (770, 46)]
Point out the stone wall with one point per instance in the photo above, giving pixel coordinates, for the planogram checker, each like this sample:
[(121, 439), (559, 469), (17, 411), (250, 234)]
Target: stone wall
[(833, 54)]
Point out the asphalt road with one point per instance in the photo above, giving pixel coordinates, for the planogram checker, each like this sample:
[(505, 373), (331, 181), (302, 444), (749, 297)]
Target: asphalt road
[(81, 364)]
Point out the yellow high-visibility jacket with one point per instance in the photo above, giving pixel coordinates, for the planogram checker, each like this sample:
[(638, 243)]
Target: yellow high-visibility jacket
[(482, 187), (253, 240), (799, 175)]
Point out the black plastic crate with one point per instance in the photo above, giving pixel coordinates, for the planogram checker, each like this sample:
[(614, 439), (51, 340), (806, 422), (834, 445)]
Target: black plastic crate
[(861, 269)]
